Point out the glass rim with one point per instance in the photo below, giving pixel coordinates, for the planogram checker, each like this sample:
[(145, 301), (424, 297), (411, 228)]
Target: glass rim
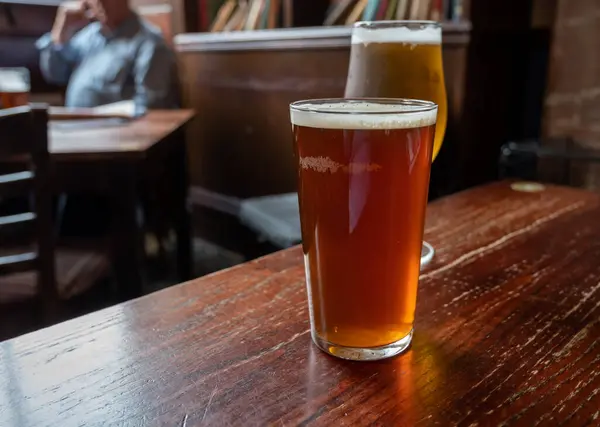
[(373, 25), (312, 106)]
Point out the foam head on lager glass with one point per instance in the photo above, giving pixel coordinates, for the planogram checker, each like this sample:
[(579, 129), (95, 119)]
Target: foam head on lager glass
[(363, 176)]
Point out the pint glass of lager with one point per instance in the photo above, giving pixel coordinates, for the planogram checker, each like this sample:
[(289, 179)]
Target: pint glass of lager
[(14, 87), (363, 170)]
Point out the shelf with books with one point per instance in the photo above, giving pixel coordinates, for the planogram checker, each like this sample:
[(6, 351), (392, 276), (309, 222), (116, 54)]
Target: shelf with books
[(244, 15), (347, 12)]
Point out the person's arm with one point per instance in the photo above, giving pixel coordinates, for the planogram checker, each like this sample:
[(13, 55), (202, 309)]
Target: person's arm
[(60, 50), (56, 61), (155, 76)]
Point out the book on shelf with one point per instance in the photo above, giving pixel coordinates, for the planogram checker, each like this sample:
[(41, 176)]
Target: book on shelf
[(254, 14), (382, 9), (203, 19), (339, 11), (223, 16), (402, 9), (370, 10), (273, 13), (425, 9), (237, 18), (357, 12), (264, 14), (390, 13), (415, 9), (436, 12), (207, 13), (288, 13)]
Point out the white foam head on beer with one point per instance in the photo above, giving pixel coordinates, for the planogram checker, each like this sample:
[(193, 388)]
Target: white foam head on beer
[(12, 81), (364, 115), (427, 34)]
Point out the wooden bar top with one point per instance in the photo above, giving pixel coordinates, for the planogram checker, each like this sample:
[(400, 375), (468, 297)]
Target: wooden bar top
[(507, 330)]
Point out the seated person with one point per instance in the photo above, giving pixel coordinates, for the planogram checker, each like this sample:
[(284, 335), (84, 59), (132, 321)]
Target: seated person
[(116, 57), (105, 53)]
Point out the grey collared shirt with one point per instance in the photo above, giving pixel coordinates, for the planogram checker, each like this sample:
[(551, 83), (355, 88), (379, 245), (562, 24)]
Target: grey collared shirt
[(132, 62)]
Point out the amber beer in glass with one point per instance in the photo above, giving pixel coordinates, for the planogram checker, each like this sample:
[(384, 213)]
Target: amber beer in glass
[(363, 169), (400, 59), (14, 87)]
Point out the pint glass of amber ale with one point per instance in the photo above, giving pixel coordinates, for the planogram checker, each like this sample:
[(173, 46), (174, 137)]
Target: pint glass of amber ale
[(14, 87), (363, 170)]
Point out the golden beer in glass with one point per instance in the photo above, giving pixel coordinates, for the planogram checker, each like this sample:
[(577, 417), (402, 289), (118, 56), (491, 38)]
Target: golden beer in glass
[(14, 87)]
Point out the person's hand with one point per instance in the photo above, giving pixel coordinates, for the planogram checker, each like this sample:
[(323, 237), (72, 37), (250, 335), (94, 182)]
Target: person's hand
[(70, 18)]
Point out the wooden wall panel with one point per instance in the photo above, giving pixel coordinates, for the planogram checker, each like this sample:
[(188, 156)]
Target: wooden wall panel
[(241, 142), (572, 106)]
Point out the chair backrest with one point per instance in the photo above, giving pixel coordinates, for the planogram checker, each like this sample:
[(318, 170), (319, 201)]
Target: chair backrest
[(552, 160), (24, 146)]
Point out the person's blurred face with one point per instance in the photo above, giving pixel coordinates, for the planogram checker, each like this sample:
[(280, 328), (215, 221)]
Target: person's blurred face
[(106, 11)]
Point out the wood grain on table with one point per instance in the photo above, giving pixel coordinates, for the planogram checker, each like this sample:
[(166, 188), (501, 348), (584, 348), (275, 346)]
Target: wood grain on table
[(131, 138), (507, 330)]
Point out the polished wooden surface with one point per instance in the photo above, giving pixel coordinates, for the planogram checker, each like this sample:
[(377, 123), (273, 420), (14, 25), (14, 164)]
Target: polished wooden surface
[(115, 140), (506, 334)]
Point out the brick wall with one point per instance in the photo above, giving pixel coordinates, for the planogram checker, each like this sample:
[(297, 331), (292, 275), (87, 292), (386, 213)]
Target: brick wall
[(572, 105)]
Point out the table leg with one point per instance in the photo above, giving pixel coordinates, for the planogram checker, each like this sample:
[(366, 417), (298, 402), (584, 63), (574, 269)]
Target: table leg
[(182, 212), (126, 238)]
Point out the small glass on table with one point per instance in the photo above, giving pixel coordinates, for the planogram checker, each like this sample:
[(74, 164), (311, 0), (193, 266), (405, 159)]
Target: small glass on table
[(363, 177), (14, 87)]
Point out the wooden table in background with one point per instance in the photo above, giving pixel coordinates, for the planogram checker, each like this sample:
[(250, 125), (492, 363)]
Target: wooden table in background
[(122, 161), (506, 334)]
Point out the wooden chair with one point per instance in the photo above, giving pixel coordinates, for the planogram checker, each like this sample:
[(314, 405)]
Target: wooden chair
[(32, 273), (554, 160), (275, 219)]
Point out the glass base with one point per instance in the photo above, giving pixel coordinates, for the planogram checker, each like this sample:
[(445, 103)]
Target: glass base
[(363, 354), (427, 253)]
